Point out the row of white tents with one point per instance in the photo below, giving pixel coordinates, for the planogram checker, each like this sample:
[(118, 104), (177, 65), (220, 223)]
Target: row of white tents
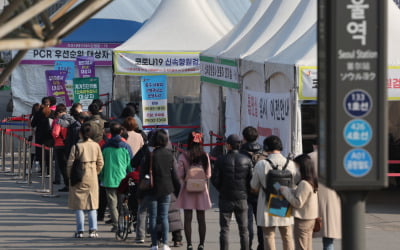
[(246, 50)]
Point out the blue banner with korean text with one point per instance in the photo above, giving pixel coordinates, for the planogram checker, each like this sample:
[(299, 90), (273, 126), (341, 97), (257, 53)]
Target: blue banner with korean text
[(154, 100)]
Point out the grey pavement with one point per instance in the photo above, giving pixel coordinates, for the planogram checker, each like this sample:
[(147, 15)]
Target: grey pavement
[(30, 221)]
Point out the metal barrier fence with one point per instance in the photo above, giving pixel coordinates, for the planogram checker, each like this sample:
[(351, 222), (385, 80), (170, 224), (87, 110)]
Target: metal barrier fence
[(14, 132), (14, 143)]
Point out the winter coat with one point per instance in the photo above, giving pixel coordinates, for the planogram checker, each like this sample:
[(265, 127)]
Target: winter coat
[(303, 200), (135, 141), (117, 162), (231, 176), (258, 182), (42, 125), (97, 127), (85, 195), (174, 217), (192, 200), (162, 164), (59, 133), (329, 208), (249, 149)]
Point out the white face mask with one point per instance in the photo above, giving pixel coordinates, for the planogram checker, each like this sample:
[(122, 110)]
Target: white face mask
[(79, 110)]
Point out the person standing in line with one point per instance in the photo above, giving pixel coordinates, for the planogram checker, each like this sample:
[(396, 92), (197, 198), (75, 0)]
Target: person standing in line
[(304, 201), (59, 134), (189, 201), (96, 122), (41, 122), (135, 140), (159, 197), (32, 137), (329, 209), (84, 195), (76, 110), (231, 177), (252, 149), (117, 163), (273, 146)]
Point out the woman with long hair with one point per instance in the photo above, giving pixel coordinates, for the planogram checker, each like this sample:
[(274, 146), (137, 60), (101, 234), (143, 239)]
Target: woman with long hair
[(304, 201), (84, 196), (161, 162), (189, 201)]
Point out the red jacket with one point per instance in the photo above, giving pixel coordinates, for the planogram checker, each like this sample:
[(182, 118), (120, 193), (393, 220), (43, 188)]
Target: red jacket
[(59, 134)]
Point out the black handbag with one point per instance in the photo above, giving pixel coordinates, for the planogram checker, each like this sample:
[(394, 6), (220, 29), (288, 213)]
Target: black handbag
[(77, 172), (146, 184)]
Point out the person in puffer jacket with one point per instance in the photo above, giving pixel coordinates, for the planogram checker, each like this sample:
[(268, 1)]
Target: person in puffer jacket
[(231, 176)]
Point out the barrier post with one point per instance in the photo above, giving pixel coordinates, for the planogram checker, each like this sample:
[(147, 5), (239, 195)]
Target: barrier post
[(43, 190), (24, 175), (51, 194), (12, 172), (3, 150), (21, 173), (27, 158), (211, 140)]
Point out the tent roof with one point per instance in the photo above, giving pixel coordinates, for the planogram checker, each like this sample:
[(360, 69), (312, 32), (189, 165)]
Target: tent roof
[(301, 19), (262, 22), (251, 17), (303, 51), (190, 25), (115, 23)]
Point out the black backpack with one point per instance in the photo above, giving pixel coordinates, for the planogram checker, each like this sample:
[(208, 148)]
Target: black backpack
[(283, 176), (72, 137)]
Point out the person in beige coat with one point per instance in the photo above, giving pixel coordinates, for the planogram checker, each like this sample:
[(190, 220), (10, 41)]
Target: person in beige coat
[(329, 210), (273, 146), (84, 196), (304, 201)]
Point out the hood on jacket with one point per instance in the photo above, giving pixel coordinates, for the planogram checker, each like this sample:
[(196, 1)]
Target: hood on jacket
[(65, 120), (253, 147), (115, 142)]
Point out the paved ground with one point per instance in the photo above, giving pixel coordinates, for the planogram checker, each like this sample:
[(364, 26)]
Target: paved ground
[(30, 221)]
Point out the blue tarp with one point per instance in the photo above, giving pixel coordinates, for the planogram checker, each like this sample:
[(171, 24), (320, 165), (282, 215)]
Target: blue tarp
[(103, 31)]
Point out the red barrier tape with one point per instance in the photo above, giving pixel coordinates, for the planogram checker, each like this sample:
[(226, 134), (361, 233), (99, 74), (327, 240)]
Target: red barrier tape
[(18, 130), (394, 161), (218, 136), (107, 94), (18, 119)]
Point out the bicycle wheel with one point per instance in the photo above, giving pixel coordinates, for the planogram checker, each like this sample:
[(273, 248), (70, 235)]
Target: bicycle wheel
[(123, 223)]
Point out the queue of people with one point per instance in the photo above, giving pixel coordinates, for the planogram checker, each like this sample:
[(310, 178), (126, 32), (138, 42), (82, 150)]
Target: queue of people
[(111, 150)]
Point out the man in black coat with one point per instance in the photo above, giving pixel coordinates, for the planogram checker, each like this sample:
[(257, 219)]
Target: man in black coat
[(252, 149), (231, 176)]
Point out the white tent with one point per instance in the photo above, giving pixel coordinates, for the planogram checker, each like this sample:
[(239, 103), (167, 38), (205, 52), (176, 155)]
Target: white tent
[(107, 29), (178, 30), (293, 65), (261, 23)]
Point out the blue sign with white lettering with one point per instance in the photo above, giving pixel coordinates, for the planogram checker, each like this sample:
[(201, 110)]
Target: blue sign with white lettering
[(357, 162), (357, 103), (357, 133)]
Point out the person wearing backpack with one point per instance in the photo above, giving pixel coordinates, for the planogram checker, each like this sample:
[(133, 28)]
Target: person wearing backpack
[(190, 162), (252, 149), (273, 146), (231, 177), (96, 122)]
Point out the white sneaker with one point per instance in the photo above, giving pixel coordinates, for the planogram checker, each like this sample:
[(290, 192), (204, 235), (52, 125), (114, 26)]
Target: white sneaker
[(166, 247), (93, 234), (154, 248)]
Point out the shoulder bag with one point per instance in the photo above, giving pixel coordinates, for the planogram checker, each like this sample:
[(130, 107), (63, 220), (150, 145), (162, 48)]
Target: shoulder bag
[(77, 172)]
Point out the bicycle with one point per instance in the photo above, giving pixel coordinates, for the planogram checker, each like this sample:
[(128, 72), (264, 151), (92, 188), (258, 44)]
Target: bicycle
[(127, 212)]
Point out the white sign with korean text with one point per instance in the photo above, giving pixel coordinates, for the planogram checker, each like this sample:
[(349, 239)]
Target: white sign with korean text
[(270, 113), (156, 63), (308, 82)]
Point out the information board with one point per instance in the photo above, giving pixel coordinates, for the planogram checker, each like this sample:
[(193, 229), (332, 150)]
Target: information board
[(352, 94)]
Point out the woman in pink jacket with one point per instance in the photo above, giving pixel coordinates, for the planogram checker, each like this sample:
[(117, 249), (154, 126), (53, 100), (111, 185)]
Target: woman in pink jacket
[(189, 201)]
